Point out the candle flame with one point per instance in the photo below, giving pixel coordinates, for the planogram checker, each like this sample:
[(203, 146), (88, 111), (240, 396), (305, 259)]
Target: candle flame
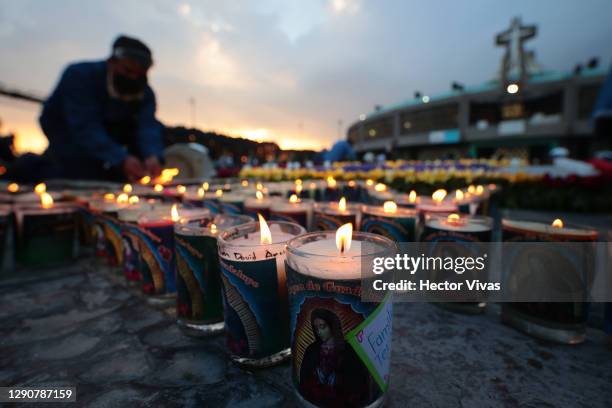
[(127, 188), (390, 207), (40, 188), (298, 182), (294, 199), (219, 193), (213, 228), (298, 188), (342, 204), (453, 218), (380, 187), (158, 187), (266, 235), (46, 201), (174, 214), (369, 182), (13, 187), (259, 195), (459, 195), (344, 235), (133, 200), (123, 198), (479, 190), (438, 195), (145, 180), (259, 186), (471, 189), (331, 182), (245, 183), (412, 197), (181, 189), (558, 223), (109, 197), (205, 186), (167, 175)]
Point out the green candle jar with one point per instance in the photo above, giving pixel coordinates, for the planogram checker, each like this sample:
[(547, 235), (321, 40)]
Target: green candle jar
[(45, 236), (199, 306)]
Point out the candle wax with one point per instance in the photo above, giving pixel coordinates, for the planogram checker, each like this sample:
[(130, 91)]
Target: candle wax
[(328, 262), (463, 225)]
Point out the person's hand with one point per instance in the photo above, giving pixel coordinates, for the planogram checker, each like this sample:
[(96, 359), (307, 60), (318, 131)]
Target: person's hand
[(133, 169), (152, 166)]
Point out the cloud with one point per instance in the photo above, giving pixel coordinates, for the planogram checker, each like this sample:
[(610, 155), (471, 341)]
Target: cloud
[(291, 67)]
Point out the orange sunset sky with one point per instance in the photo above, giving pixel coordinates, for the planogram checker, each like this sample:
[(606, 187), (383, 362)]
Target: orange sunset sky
[(294, 72)]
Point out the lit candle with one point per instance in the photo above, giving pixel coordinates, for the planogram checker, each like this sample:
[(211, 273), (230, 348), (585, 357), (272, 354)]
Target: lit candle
[(328, 317), (106, 229), (481, 196), (46, 233), (22, 196), (331, 191), (314, 192), (524, 259), (330, 216), (131, 237), (232, 203), (351, 190), (194, 197), (293, 210), (380, 195), (437, 204), (258, 205), (252, 259), (157, 251), (459, 235), (457, 227), (199, 308), (410, 200), (13, 188), (396, 223)]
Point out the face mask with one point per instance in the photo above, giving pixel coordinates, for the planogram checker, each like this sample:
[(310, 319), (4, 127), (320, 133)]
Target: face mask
[(127, 88)]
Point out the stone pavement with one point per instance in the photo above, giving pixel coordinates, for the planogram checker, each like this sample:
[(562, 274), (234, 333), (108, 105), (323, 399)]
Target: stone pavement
[(82, 325)]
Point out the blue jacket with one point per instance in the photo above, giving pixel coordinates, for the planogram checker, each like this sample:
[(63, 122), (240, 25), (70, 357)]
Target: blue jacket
[(341, 151), (80, 119)]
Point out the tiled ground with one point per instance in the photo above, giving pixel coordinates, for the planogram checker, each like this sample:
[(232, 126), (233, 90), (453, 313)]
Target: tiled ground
[(83, 326)]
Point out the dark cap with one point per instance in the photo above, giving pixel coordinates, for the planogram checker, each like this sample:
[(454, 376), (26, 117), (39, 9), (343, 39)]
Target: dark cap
[(127, 47)]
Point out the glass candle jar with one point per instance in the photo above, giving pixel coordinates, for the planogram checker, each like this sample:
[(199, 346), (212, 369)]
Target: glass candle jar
[(330, 216), (45, 236), (458, 235), (199, 308), (255, 291), (561, 322), (396, 223), (340, 344)]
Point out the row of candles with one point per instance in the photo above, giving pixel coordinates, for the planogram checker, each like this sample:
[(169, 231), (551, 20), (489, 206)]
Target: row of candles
[(238, 258)]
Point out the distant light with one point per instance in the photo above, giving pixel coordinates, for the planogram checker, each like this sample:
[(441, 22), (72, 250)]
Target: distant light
[(362, 116), (512, 88), (425, 99), (372, 132), (407, 124)]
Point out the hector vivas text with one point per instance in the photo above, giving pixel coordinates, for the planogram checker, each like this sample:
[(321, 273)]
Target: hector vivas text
[(434, 267)]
